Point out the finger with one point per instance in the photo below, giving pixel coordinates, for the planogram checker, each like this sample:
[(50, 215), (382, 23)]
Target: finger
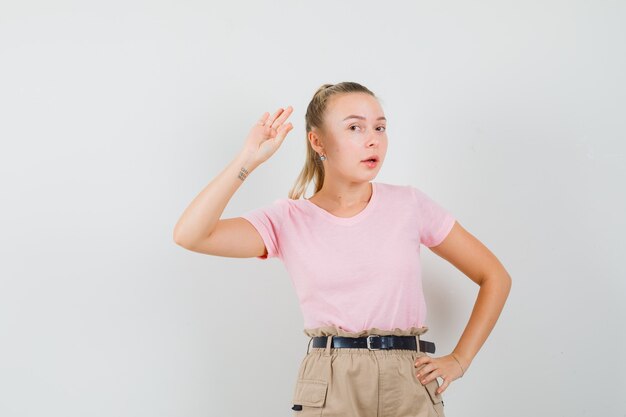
[(442, 387), (263, 118), (269, 121), (422, 360), (436, 373), (424, 374), (282, 132), (283, 117)]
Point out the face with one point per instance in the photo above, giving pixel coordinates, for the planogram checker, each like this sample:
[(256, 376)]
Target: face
[(354, 130)]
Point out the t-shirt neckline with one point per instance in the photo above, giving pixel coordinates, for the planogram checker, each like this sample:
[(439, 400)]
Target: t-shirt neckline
[(348, 220)]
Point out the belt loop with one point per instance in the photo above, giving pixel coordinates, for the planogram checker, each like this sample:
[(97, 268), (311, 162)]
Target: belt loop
[(329, 341), (308, 346), (417, 342)]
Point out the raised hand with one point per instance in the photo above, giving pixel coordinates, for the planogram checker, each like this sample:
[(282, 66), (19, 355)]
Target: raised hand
[(267, 135)]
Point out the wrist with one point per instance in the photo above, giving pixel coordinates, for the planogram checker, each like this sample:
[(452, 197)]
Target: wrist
[(463, 362), (245, 159)]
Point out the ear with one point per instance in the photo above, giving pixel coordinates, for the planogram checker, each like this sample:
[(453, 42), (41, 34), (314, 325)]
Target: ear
[(316, 142)]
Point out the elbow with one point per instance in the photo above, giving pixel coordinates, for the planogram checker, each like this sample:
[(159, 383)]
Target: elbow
[(501, 279), (183, 243), (176, 235), (179, 239), (505, 282), (186, 241)]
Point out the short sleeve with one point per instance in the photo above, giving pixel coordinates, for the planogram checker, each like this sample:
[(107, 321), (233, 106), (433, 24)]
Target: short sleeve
[(435, 222), (267, 221)]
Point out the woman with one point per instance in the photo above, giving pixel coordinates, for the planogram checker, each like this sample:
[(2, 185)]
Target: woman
[(352, 252)]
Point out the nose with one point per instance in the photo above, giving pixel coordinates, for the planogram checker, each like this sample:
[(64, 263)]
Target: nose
[(372, 139)]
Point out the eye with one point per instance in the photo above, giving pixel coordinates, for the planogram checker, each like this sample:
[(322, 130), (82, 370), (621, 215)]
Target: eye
[(383, 127)]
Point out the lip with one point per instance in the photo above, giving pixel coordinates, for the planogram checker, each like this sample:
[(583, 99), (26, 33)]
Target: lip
[(370, 164), (374, 157)]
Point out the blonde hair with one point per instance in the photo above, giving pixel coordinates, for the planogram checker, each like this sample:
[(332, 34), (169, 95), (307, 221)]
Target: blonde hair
[(313, 168)]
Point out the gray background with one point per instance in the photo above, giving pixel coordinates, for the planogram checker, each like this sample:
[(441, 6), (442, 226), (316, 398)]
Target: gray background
[(114, 115)]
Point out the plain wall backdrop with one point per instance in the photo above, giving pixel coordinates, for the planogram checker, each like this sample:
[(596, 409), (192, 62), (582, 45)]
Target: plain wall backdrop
[(114, 115)]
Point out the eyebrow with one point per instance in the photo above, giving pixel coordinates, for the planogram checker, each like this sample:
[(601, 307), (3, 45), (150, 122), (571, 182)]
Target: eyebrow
[(354, 116)]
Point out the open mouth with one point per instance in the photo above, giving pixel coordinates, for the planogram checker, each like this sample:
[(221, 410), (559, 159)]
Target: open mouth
[(370, 162)]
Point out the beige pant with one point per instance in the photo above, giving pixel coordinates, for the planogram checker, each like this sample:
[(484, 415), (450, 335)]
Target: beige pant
[(358, 382)]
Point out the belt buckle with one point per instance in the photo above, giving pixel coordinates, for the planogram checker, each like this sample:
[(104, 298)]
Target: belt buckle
[(369, 342)]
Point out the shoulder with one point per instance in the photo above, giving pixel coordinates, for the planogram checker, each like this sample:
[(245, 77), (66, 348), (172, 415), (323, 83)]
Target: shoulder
[(285, 207), (275, 209)]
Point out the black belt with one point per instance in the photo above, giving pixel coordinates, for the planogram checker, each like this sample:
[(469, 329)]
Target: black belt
[(375, 342)]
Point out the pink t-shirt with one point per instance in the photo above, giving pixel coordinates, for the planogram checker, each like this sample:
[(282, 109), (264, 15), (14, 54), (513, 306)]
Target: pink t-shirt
[(357, 272)]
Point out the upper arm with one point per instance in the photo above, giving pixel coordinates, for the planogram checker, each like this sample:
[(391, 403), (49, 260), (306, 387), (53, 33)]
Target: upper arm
[(234, 237), (468, 254)]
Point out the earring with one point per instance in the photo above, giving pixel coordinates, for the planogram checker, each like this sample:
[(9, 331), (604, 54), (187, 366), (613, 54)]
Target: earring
[(323, 157)]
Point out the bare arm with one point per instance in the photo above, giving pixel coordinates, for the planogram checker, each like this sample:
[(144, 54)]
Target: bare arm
[(202, 217), (475, 260)]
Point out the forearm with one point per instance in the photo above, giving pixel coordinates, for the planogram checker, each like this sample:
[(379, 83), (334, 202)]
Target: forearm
[(202, 215), (489, 304)]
